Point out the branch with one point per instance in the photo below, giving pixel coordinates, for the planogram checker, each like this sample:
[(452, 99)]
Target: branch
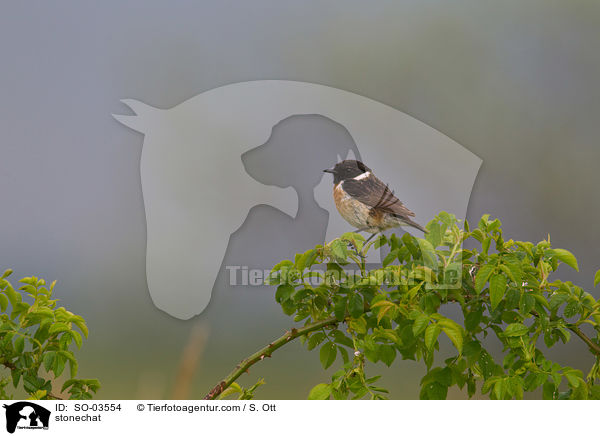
[(594, 348), (245, 364)]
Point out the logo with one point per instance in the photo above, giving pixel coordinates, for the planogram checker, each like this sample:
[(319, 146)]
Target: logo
[(26, 415)]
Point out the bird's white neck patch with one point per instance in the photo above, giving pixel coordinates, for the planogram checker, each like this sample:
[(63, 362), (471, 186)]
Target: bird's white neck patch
[(362, 176)]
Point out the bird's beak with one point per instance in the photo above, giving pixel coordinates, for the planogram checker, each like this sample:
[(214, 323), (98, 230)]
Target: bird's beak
[(328, 170)]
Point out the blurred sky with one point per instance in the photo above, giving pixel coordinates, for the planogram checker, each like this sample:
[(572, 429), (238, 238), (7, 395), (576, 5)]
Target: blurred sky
[(515, 82)]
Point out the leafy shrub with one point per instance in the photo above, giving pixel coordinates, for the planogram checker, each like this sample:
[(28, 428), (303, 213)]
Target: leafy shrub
[(353, 314), (35, 341)]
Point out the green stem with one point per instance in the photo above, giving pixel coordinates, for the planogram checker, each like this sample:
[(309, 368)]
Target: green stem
[(245, 364), (594, 348)]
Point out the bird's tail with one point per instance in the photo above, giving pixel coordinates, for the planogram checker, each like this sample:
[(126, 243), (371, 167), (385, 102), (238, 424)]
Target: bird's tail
[(415, 225)]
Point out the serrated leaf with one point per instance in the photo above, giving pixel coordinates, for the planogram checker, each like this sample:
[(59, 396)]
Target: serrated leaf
[(434, 391), (454, 332), (515, 329), (431, 333), (571, 309), (339, 309), (566, 256), (428, 253), (283, 293), (58, 327), (420, 324), (356, 306), (315, 339), (19, 344), (472, 320), (384, 309), (321, 391), (339, 249), (77, 338), (327, 354), (526, 303), (387, 354), (49, 360), (59, 365), (557, 300), (500, 388), (3, 302), (482, 277), (497, 289), (391, 256), (434, 233)]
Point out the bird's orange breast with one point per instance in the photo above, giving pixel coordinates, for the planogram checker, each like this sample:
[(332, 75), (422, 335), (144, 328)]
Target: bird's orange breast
[(352, 210)]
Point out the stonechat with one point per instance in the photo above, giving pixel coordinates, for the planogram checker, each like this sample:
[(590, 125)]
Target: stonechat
[(365, 201)]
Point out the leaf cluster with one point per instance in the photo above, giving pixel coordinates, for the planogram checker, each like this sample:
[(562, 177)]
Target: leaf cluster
[(503, 288), (37, 338)]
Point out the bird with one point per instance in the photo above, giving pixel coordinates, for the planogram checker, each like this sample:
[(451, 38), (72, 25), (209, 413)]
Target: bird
[(365, 202)]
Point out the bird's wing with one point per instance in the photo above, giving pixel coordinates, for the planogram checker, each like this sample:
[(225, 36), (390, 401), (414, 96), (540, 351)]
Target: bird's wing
[(374, 193)]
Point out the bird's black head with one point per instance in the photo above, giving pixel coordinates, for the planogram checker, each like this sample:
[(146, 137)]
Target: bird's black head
[(347, 169)]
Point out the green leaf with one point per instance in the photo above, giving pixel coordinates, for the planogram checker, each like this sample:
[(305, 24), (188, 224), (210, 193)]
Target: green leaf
[(482, 277), (454, 332), (356, 306), (434, 391), (500, 388), (384, 307), (526, 303), (557, 300), (359, 325), (443, 376), (548, 391), (572, 309), (565, 256), (340, 308), (13, 296), (472, 319), (391, 256), (3, 302), (321, 391), (31, 383), (49, 360), (515, 272), (38, 395), (434, 233), (315, 339), (420, 324), (339, 249), (19, 344), (283, 293), (515, 329), (234, 388), (573, 378), (428, 253), (597, 278), (58, 327), (497, 289), (472, 350), (387, 354), (431, 333), (327, 354)]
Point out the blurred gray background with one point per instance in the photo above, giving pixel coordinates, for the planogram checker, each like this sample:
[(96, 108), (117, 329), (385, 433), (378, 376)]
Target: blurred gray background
[(515, 82)]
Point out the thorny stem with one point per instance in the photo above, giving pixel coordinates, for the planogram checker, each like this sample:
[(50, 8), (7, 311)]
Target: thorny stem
[(245, 364), (594, 348)]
